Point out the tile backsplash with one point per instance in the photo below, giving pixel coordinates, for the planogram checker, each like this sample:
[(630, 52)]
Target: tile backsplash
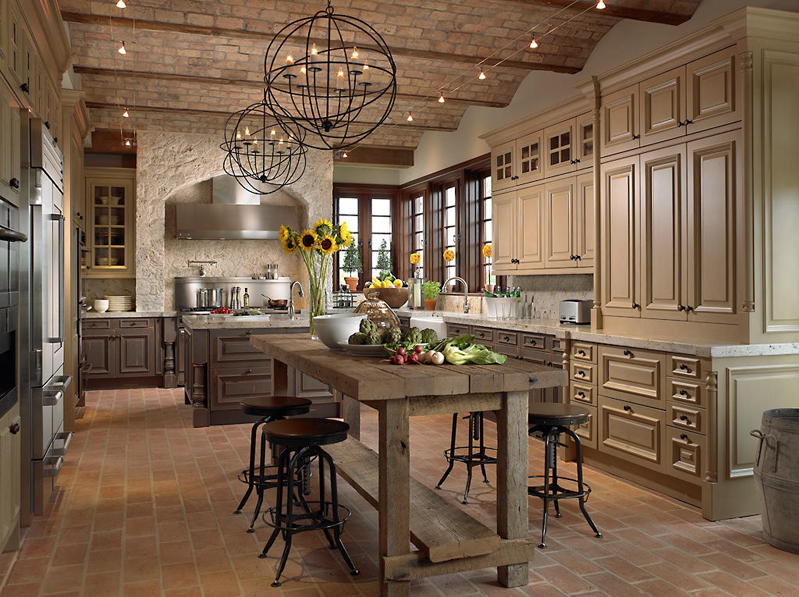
[(548, 291)]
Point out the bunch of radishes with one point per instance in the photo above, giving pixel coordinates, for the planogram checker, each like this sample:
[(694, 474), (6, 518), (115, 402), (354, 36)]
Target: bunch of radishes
[(418, 356)]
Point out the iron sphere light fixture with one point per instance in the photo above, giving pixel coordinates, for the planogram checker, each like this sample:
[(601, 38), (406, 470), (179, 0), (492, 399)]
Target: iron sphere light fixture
[(331, 75), (261, 154)]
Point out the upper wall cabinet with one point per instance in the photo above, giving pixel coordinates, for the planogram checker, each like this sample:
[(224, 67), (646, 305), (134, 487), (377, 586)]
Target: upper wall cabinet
[(3, 34), (619, 114), (111, 200), (17, 47), (569, 145), (519, 241), (9, 142), (517, 162)]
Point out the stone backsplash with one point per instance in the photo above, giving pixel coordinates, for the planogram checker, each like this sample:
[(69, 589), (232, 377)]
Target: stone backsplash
[(548, 291), (97, 288)]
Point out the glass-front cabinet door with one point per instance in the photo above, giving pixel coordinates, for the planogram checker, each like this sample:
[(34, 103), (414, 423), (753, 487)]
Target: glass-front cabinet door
[(111, 202)]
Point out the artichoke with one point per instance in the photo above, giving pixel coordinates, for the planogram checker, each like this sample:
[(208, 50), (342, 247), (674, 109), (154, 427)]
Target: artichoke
[(357, 338), (392, 335), (429, 336), (413, 335), (374, 337), (367, 325)]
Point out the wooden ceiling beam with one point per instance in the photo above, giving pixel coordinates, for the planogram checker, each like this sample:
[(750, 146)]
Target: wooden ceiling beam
[(92, 19), (110, 72), (364, 155), (615, 10), (221, 113)]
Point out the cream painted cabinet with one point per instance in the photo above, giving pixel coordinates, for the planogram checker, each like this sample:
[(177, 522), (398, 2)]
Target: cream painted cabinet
[(619, 246), (619, 116), (530, 229), (559, 223), (3, 34), (517, 162), (711, 91), (10, 438), (584, 129), (560, 148), (663, 106), (16, 44), (503, 208), (9, 142), (584, 229), (503, 166)]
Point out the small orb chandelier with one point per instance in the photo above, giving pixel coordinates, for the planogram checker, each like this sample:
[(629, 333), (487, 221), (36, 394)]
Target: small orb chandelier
[(331, 75), (260, 152)]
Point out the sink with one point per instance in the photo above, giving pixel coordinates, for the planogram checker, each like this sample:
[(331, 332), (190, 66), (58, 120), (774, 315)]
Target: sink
[(434, 322)]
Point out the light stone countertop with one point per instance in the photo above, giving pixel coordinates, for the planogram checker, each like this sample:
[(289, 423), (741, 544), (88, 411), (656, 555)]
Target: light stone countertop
[(128, 314), (244, 322), (755, 350)]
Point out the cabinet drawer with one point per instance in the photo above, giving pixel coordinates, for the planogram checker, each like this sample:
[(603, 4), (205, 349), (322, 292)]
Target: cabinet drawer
[(483, 335), (687, 367), (145, 322), (229, 386), (582, 351), (685, 454), (583, 372), (687, 392), (555, 360), (686, 417), (587, 431), (97, 324), (233, 346), (538, 341), (582, 394), (507, 349), (511, 338), (632, 432), (632, 374), (454, 329), (556, 344), (534, 356)]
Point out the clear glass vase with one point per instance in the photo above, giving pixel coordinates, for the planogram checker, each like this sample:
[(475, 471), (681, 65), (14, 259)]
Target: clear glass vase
[(316, 301)]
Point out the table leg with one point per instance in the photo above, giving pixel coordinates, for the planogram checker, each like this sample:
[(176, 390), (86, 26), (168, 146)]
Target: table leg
[(512, 481), (351, 412), (280, 378), (394, 491)]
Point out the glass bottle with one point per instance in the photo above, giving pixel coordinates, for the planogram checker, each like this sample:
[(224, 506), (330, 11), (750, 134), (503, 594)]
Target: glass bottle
[(246, 299)]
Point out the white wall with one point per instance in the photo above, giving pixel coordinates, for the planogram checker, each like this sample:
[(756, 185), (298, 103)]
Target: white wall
[(540, 90), (365, 174)]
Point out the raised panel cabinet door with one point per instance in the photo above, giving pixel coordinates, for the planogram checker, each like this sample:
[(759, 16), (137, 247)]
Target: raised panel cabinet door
[(530, 228), (587, 432), (99, 351), (3, 33), (504, 213), (712, 212), (230, 385), (558, 212), (5, 143), (619, 240), (503, 166), (711, 91), (10, 439), (560, 149), (619, 116), (136, 352), (633, 374), (632, 432), (663, 106), (529, 152), (662, 200), (584, 221)]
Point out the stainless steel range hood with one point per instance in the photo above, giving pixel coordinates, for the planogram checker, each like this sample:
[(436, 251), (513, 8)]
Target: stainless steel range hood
[(235, 214)]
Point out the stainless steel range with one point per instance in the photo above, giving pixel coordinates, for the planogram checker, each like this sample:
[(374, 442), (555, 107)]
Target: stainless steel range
[(42, 314)]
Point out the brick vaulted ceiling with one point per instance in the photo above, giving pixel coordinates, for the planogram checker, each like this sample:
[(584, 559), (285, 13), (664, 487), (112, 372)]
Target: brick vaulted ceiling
[(192, 62)]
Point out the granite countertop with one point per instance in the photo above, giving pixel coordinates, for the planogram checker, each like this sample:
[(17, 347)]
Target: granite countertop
[(233, 322), (128, 314)]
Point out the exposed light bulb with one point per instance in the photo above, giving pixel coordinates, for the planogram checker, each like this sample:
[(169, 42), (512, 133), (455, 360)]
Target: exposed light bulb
[(314, 53), (354, 55), (125, 114), (601, 4), (127, 142), (441, 99), (410, 117), (122, 49), (482, 75), (289, 60), (246, 130), (238, 135), (121, 4), (533, 44), (344, 155)]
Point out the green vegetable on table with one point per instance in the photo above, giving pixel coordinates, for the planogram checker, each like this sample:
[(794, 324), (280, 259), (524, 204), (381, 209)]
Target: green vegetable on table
[(461, 351)]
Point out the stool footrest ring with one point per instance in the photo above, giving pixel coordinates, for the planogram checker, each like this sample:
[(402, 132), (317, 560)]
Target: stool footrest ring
[(315, 520), (477, 457), (556, 492)]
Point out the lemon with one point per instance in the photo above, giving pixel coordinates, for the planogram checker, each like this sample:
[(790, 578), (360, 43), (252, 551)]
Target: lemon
[(398, 283)]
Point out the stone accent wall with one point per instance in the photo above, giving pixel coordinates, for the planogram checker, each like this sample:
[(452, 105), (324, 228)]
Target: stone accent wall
[(168, 163), (548, 291)]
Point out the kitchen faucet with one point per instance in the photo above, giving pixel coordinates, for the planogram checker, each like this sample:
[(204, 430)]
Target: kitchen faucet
[(465, 291), (202, 264), (291, 297)]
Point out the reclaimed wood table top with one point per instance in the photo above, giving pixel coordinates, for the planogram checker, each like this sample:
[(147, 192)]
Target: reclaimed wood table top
[(373, 379)]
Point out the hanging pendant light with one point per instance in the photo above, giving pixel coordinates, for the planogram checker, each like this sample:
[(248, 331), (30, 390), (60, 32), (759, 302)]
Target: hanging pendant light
[(338, 83), (262, 155)]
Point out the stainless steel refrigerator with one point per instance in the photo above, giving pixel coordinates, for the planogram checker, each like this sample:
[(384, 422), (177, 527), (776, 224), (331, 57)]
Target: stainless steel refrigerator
[(42, 314)]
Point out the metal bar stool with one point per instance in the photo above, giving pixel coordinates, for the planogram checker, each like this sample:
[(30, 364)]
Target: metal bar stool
[(467, 454), (272, 408), (301, 440), (551, 420)]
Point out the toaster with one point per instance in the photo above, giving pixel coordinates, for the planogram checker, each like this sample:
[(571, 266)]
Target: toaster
[(575, 311)]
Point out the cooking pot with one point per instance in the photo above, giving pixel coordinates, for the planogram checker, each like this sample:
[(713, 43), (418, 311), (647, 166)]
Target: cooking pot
[(274, 304), (210, 298)]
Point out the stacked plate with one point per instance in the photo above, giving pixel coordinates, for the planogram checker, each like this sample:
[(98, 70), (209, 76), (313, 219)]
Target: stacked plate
[(120, 303)]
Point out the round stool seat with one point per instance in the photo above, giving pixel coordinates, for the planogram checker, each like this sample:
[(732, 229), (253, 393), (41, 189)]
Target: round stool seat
[(306, 432), (276, 406), (557, 414)]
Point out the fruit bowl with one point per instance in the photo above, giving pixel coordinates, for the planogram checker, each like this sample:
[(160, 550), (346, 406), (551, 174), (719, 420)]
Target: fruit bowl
[(337, 328), (393, 297)]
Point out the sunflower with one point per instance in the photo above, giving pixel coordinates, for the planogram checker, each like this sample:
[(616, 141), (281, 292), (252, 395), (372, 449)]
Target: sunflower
[(322, 226), (346, 241), (284, 233), (415, 258), (487, 251), (449, 255), (289, 245), (328, 245), (308, 240)]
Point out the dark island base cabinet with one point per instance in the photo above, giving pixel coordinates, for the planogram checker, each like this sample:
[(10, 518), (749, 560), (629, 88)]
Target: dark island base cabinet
[(222, 368), (122, 353)]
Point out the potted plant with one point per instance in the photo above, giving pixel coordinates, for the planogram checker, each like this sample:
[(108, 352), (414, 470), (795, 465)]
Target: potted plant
[(352, 264), (430, 292), (384, 260)]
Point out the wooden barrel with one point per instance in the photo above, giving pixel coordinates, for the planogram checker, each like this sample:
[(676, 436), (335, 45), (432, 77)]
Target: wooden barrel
[(777, 477)]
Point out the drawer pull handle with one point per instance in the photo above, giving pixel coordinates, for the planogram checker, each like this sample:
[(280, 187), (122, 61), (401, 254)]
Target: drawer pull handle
[(685, 438), (581, 394), (680, 307), (14, 429), (683, 418), (581, 353), (581, 373), (506, 338), (533, 342), (628, 408), (683, 393), (627, 353), (248, 371), (248, 333), (684, 367)]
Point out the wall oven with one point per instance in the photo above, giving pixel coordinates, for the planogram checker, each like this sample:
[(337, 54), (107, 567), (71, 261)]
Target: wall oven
[(10, 239)]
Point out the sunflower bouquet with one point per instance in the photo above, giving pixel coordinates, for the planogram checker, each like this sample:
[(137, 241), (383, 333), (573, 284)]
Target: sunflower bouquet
[(316, 246)]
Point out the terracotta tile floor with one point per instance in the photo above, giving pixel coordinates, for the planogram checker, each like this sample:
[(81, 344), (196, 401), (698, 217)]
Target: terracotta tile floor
[(146, 501)]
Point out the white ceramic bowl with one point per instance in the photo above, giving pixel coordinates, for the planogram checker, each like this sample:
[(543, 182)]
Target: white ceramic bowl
[(332, 329), (101, 305)]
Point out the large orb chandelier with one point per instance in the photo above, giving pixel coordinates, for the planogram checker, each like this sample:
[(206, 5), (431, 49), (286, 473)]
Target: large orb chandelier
[(331, 75), (261, 154)]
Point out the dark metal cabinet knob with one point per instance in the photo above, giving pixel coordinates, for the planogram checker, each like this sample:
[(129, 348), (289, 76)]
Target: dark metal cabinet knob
[(635, 306), (636, 136), (683, 393), (581, 394), (25, 87), (581, 353), (581, 373), (14, 182), (14, 429), (684, 367), (627, 353), (628, 408), (684, 438), (680, 307), (683, 418)]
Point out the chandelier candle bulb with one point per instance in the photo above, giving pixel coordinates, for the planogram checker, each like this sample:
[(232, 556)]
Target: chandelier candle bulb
[(366, 76), (340, 81), (354, 54)]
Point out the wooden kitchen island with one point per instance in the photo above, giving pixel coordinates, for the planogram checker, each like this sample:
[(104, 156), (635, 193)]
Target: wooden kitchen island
[(447, 539)]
